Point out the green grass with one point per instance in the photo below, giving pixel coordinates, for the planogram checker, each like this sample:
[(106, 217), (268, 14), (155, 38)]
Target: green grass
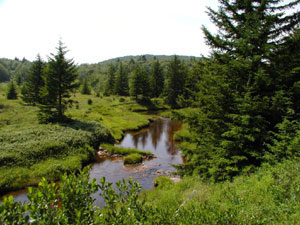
[(270, 196), (133, 158), (29, 150), (183, 134), (162, 182), (125, 151), (117, 116)]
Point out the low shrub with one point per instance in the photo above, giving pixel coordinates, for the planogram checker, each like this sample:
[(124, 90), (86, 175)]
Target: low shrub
[(133, 159), (270, 196), (162, 182), (125, 151)]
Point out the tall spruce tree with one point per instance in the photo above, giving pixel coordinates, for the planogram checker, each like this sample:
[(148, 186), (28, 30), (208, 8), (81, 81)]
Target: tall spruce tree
[(85, 87), (4, 75), (240, 99), (139, 84), (34, 82), (110, 82), (60, 80), (146, 88), (176, 75), (157, 79), (136, 81), (187, 99), (12, 91), (121, 85)]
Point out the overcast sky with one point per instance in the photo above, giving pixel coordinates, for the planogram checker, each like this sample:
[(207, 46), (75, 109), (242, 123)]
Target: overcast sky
[(96, 30)]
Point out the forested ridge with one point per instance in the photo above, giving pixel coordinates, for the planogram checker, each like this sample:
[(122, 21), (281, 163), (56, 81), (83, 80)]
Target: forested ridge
[(240, 137)]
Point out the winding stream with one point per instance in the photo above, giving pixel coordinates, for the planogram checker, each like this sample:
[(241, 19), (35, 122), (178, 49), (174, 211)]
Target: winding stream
[(157, 138)]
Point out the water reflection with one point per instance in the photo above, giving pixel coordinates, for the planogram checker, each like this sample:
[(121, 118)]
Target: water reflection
[(157, 138)]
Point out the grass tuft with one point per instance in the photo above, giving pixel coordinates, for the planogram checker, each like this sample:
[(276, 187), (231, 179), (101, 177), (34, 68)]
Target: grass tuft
[(133, 159)]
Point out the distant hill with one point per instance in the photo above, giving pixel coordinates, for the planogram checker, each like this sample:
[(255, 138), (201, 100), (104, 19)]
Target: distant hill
[(146, 57), (13, 68), (18, 69)]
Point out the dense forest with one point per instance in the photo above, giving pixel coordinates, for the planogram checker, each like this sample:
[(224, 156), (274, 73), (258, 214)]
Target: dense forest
[(240, 137)]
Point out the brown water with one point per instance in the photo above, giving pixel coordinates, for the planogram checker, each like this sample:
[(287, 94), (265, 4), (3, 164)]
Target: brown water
[(157, 138)]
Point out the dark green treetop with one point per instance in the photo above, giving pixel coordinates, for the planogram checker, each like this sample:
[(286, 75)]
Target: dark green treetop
[(34, 82), (110, 82), (60, 80), (85, 87), (176, 74), (241, 100), (157, 79), (12, 91), (121, 84)]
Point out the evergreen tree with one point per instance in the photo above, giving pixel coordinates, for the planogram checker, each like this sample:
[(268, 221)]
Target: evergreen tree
[(240, 99), (110, 83), (60, 76), (136, 81), (4, 75), (85, 88), (139, 83), (121, 85), (34, 82), (146, 88), (176, 75), (157, 79), (19, 79), (12, 91), (187, 99)]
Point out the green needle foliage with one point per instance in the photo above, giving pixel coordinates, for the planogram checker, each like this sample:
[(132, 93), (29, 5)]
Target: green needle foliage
[(157, 79), (34, 82), (244, 96), (110, 83), (139, 83), (4, 74), (12, 91), (85, 87), (60, 76), (121, 84), (176, 75)]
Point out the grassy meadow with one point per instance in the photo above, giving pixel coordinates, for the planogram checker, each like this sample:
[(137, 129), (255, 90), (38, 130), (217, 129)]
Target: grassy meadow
[(30, 151), (269, 196)]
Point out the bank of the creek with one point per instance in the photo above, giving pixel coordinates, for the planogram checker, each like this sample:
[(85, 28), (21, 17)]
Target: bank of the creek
[(157, 138)]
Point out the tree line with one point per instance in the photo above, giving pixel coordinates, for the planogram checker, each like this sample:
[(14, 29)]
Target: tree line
[(246, 100), (156, 82)]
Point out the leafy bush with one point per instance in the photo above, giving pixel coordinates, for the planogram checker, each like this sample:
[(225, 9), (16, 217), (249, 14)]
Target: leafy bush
[(270, 196), (133, 159), (162, 182)]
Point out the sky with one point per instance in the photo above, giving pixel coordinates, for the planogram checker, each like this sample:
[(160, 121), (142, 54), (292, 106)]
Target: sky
[(97, 30)]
